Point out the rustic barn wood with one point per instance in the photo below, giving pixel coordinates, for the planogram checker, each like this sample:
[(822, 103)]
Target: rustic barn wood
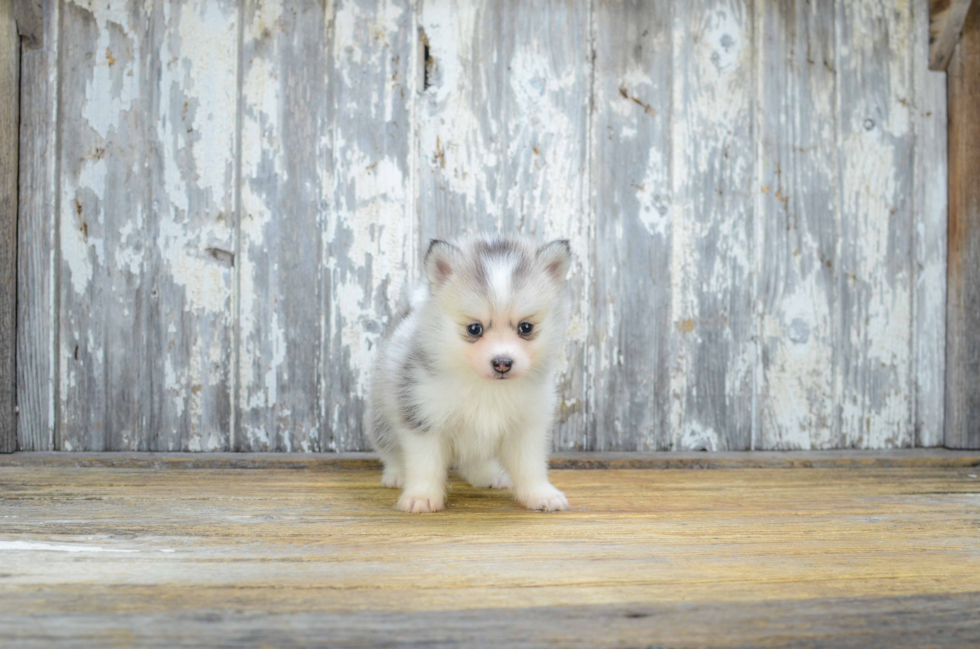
[(327, 242), (9, 120), (102, 192), (963, 274), (832, 557), (190, 309), (946, 18), (38, 270), (800, 227), (930, 207), (631, 174), (240, 195), (713, 196), (875, 263), (283, 126), (368, 218)]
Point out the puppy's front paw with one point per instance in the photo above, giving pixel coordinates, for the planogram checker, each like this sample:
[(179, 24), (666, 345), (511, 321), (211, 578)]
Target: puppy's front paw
[(545, 497), (391, 479), (418, 503), (502, 481)]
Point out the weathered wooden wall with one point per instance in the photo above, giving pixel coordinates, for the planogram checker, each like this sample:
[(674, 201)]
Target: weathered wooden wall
[(9, 120), (963, 312), (222, 202)]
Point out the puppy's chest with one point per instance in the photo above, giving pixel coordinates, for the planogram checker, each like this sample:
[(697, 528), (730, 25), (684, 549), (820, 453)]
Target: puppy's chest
[(487, 414)]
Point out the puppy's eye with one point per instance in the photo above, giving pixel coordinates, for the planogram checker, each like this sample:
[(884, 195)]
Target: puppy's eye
[(475, 330), (525, 328)]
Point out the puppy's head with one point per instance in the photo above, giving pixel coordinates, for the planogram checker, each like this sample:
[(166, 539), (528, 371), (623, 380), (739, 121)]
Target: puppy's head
[(500, 304)]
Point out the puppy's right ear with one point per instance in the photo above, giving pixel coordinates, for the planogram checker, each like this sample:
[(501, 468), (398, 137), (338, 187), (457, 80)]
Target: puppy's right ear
[(441, 261)]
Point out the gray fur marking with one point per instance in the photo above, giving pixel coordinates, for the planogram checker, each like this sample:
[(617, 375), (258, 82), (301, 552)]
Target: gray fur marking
[(410, 411)]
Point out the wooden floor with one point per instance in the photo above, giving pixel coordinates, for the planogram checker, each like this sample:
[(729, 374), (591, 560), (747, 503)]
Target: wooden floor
[(314, 553)]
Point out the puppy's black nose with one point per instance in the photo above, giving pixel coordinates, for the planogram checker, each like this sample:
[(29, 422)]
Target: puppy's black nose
[(501, 365)]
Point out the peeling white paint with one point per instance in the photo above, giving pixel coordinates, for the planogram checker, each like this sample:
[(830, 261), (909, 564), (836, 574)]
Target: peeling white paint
[(102, 110), (174, 387), (207, 57), (653, 195), (876, 406), (500, 139)]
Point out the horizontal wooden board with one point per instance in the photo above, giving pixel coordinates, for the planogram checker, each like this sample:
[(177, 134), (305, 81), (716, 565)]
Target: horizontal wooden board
[(822, 557)]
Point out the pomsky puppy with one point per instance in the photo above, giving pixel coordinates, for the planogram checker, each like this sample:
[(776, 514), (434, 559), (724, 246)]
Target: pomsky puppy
[(467, 377)]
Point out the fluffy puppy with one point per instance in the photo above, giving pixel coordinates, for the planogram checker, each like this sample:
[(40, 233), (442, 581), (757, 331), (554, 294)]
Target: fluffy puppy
[(467, 377)]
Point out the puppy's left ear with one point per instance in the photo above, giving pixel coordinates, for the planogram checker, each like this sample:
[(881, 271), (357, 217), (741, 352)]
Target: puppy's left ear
[(556, 257), (441, 261)]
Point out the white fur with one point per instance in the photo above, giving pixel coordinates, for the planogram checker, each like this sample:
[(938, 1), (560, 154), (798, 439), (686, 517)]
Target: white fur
[(436, 400)]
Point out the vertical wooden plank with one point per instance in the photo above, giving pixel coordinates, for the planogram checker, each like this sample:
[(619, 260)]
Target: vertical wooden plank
[(963, 275), (190, 269), (368, 220), (503, 144), (9, 122), (101, 227), (930, 219), (876, 142), (634, 207), (284, 58), (712, 259), (798, 207), (81, 353), (37, 359)]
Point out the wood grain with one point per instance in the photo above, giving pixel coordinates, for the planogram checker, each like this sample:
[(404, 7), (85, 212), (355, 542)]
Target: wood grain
[(368, 222), (190, 267), (284, 165), (798, 199), (712, 381), (38, 266), (9, 123), (946, 18), (875, 244), (850, 622), (83, 315), (106, 220), (631, 182), (963, 274), (930, 217), (503, 146), (819, 557)]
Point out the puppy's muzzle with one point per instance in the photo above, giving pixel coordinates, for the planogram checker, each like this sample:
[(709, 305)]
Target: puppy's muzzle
[(502, 365)]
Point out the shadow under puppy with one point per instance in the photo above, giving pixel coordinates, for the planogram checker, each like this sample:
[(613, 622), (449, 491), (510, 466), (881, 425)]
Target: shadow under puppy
[(467, 378)]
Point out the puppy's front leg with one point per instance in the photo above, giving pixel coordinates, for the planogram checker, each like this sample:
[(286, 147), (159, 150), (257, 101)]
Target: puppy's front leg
[(525, 456), (425, 472)]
